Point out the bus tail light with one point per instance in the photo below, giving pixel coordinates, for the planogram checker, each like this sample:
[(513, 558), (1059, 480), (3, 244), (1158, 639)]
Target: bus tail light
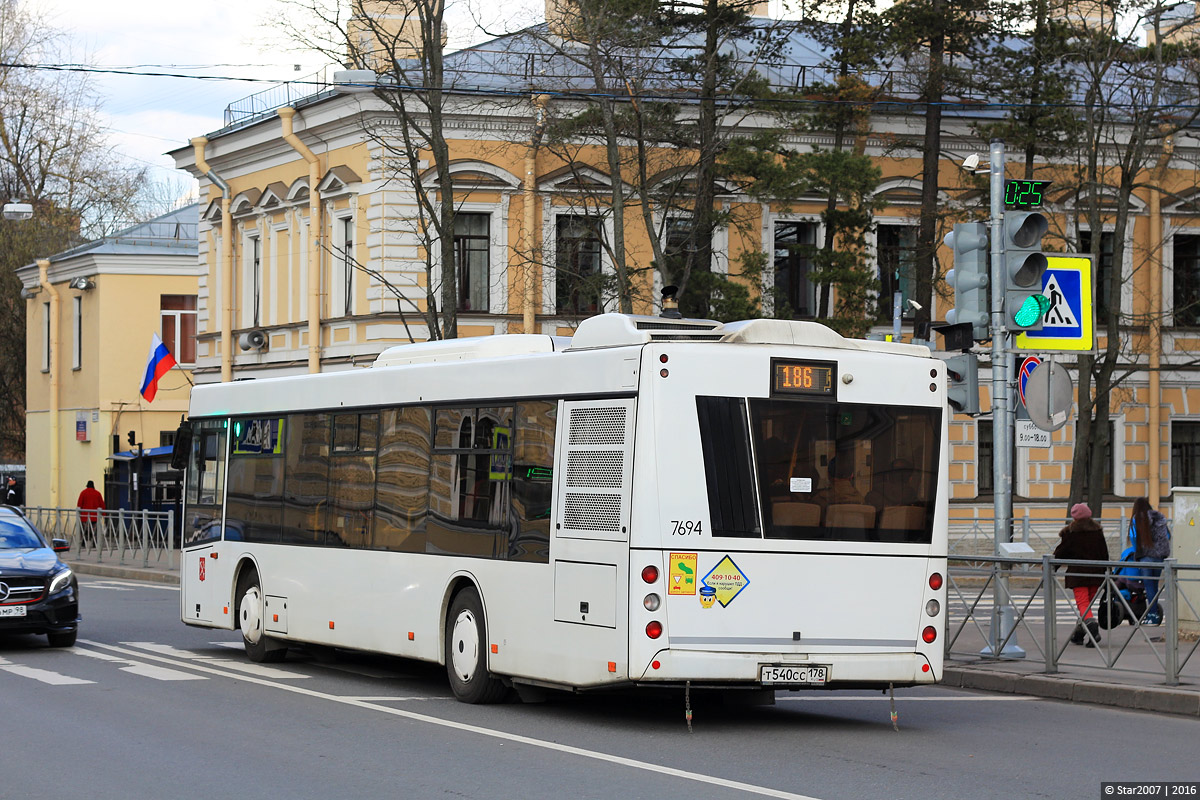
[(652, 602), (654, 629), (929, 634), (650, 573), (935, 581), (932, 608)]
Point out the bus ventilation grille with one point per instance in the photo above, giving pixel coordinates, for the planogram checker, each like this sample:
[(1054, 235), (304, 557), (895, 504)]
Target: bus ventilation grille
[(597, 426)]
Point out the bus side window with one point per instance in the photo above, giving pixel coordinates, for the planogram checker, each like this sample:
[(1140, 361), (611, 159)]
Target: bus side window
[(402, 480), (532, 481)]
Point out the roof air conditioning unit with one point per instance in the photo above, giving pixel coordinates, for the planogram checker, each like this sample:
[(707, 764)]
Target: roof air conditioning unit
[(253, 340)]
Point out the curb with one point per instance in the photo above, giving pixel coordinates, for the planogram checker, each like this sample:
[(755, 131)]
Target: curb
[(1163, 699), (130, 573)]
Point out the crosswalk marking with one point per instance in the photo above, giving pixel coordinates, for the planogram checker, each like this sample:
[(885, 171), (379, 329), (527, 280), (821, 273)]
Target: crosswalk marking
[(138, 668), (241, 666), (43, 675)]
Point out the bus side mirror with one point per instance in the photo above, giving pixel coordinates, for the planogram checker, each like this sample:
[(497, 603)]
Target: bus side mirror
[(182, 447)]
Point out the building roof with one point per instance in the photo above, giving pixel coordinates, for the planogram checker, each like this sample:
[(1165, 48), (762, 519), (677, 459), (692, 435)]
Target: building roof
[(173, 233)]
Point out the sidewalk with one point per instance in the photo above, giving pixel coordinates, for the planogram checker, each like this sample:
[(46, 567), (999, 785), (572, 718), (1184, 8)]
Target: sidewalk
[(1141, 691)]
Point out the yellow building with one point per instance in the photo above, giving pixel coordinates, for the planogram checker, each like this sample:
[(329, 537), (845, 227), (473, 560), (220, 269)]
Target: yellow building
[(91, 313), (314, 247)]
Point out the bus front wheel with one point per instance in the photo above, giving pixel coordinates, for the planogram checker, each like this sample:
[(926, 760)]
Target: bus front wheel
[(466, 651), (259, 647)]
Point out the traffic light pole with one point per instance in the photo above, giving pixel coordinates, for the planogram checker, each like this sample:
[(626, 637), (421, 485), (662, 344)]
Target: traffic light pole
[(1003, 640), (1002, 412)]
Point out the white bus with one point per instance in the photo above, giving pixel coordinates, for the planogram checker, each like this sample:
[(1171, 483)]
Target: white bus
[(652, 501)]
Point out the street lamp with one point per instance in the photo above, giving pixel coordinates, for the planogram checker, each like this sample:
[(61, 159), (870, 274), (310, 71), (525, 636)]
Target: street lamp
[(18, 211)]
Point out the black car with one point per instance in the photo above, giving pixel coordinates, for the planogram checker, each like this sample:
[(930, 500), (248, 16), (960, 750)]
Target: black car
[(38, 591)]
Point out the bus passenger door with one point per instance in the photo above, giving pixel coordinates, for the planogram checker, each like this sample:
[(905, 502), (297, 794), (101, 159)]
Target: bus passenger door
[(204, 582)]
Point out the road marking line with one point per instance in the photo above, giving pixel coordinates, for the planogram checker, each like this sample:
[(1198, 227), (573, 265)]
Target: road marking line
[(138, 668), (595, 755), (191, 655), (231, 645), (965, 699), (43, 675), (107, 583), (391, 699)]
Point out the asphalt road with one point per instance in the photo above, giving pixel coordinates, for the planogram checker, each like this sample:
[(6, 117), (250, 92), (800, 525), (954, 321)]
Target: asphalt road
[(145, 707)]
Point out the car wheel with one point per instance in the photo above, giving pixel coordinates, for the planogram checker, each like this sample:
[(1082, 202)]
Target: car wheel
[(65, 639), (260, 648), (466, 654)]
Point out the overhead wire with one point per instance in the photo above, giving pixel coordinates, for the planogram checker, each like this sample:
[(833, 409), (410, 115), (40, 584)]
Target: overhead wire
[(584, 94)]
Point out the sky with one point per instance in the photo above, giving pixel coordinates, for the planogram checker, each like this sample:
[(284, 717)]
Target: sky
[(148, 116)]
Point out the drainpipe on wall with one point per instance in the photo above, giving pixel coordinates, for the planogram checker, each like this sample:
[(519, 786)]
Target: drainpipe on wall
[(1154, 465), (314, 239), (198, 145), (44, 279), (533, 239)]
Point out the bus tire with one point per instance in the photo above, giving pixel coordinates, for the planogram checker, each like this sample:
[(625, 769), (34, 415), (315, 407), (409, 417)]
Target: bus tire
[(466, 652), (259, 647)]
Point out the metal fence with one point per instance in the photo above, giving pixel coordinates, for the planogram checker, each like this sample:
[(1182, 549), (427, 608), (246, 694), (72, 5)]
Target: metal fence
[(146, 538), (996, 606), (976, 536)]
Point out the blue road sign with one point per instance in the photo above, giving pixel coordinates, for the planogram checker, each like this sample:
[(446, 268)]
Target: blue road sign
[(1069, 323)]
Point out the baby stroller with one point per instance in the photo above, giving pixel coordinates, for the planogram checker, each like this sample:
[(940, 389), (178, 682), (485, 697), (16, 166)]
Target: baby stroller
[(1130, 595)]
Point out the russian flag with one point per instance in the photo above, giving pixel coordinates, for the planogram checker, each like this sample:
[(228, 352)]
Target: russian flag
[(159, 363)]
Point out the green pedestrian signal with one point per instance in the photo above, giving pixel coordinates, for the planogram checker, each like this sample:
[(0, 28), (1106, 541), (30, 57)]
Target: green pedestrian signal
[(1024, 265)]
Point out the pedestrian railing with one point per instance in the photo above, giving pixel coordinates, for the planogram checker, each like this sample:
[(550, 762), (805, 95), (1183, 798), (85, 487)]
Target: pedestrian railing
[(119, 536), (1008, 608), (976, 535)]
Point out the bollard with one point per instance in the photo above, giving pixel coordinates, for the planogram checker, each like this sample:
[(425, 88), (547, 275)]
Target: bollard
[(1050, 595), (1168, 597)]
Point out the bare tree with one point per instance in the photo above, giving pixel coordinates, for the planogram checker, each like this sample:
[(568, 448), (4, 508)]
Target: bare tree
[(55, 156), (1134, 99)]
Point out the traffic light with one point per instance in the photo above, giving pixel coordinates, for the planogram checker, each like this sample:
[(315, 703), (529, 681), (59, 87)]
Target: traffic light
[(969, 278), (962, 383), (1024, 265), (132, 436)]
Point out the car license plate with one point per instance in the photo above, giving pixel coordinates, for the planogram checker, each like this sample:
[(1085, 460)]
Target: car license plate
[(792, 674), (12, 611)]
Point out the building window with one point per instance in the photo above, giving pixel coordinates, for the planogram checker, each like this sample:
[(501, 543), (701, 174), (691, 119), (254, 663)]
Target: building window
[(347, 266), (1102, 271), (1185, 453), (45, 337), (795, 295), (677, 241), (178, 313), (77, 332), (1186, 266), (472, 243), (577, 262), (896, 250), (256, 279), (984, 457)]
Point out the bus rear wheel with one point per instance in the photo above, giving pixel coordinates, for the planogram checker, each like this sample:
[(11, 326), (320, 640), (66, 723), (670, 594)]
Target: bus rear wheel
[(259, 647), (466, 653)]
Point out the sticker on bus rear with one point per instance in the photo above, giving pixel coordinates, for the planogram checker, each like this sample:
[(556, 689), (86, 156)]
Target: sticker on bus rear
[(726, 580), (681, 579)]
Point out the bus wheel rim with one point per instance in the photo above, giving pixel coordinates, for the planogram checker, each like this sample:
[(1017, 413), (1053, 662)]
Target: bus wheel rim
[(251, 615), (464, 644)]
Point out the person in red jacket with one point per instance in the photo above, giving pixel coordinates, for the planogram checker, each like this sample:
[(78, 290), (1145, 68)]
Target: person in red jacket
[(88, 503)]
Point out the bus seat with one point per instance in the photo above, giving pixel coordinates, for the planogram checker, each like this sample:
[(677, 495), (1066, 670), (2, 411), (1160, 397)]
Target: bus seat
[(902, 518), (850, 515), (786, 512)]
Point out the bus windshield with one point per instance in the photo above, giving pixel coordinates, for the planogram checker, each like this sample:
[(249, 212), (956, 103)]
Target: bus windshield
[(821, 471)]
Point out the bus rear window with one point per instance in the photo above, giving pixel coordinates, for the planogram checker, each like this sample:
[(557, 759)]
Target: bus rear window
[(818, 470), (845, 472)]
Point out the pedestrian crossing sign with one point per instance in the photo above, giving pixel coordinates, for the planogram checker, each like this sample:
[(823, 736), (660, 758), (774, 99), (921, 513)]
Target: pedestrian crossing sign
[(1069, 323)]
